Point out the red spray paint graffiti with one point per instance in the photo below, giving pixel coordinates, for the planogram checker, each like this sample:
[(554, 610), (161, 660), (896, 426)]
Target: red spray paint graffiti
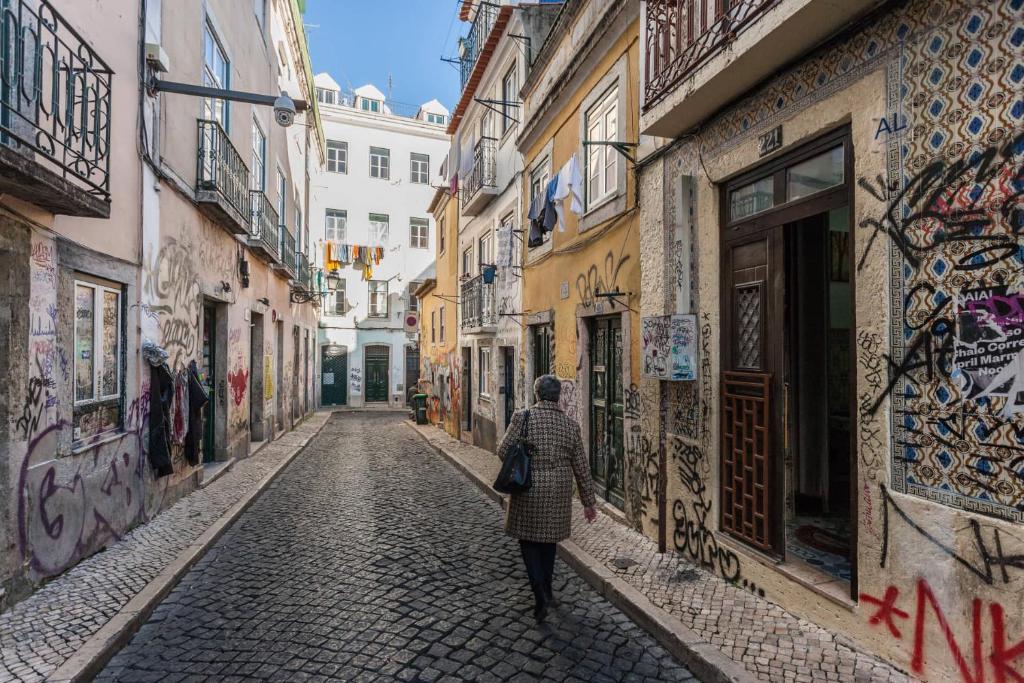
[(999, 660), (239, 381)]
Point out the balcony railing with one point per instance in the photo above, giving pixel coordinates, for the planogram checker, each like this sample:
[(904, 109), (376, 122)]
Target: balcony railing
[(472, 45), (263, 227), (55, 95), (478, 309), (287, 246), (484, 172), (222, 178), (683, 34), (304, 276)]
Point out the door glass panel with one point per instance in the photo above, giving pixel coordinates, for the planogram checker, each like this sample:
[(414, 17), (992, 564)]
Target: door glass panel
[(748, 326), (84, 326), (754, 198), (815, 174)]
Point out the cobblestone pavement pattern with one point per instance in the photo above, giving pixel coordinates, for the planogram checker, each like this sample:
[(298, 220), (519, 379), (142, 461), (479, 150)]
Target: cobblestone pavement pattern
[(39, 633), (372, 558)]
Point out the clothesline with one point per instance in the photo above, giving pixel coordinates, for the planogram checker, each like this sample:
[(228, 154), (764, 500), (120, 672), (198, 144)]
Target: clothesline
[(338, 255)]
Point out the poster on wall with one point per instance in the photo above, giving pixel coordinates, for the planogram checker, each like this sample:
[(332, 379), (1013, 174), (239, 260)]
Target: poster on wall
[(668, 349), (988, 350)]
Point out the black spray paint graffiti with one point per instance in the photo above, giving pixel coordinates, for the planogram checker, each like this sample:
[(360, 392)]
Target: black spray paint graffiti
[(872, 445), (594, 280), (173, 283), (643, 474), (989, 553), (36, 399), (951, 202)]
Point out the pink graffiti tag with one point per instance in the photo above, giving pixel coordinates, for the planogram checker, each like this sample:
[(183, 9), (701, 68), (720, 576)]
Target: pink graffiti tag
[(239, 381)]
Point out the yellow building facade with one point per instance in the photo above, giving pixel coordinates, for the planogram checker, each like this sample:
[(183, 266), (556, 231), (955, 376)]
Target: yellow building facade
[(581, 281)]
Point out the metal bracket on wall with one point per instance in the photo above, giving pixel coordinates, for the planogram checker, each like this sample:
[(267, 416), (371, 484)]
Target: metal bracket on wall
[(493, 105), (623, 148)]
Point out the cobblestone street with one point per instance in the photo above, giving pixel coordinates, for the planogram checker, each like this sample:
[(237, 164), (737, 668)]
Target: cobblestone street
[(372, 558)]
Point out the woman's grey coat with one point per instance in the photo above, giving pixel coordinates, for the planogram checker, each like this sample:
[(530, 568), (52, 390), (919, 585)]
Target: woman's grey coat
[(544, 513)]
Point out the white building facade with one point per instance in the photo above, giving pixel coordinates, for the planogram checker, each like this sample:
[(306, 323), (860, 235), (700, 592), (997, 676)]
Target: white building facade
[(371, 229)]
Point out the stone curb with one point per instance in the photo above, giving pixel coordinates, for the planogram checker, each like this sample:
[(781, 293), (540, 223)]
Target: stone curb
[(100, 648), (703, 659)]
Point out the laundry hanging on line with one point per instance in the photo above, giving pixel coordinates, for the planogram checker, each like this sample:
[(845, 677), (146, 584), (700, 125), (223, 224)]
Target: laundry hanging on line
[(338, 255)]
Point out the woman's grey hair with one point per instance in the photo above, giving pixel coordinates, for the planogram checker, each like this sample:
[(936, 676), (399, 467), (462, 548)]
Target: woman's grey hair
[(547, 388)]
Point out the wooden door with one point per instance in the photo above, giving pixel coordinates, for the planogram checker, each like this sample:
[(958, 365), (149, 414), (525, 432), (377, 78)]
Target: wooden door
[(209, 375), (753, 326), (376, 373), (510, 384), (607, 453), (334, 376)]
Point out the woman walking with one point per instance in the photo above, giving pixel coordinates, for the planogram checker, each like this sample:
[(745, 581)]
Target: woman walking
[(542, 516)]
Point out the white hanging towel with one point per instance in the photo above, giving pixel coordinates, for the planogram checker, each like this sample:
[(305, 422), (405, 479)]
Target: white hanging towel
[(570, 181)]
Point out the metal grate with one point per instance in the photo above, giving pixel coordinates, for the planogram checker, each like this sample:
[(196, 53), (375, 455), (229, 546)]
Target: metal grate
[(746, 489), (748, 326)]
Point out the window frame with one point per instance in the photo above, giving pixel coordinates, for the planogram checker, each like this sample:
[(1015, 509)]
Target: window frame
[(441, 242), (436, 118), (441, 316), (414, 238), (539, 177), (99, 288), (369, 104), (342, 290), (509, 93), (485, 243), (383, 162), (323, 93), (373, 311), (341, 157), (374, 239), (214, 80), (484, 372), (468, 270), (331, 223), (423, 172), (261, 153), (433, 325), (605, 155)]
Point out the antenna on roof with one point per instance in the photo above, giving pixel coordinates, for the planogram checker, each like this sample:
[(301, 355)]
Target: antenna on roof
[(391, 86)]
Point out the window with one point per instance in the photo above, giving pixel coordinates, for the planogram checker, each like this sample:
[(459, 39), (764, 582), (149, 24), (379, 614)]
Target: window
[(298, 230), (420, 168), (509, 94), (487, 249), (442, 323), (467, 262), (369, 105), (378, 299), (380, 163), (340, 304), (99, 358), (433, 323), (260, 8), (259, 157), (325, 96), (215, 75), (281, 193), (337, 156), (435, 118), (440, 235), (602, 160), (336, 224), (541, 350), (485, 371), (414, 303), (419, 233), (379, 229), (538, 183)]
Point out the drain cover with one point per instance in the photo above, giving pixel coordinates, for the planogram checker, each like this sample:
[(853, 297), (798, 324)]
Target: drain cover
[(624, 562)]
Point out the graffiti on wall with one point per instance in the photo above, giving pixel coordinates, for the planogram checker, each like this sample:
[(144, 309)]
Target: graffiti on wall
[(600, 279), (238, 381), (171, 286), (45, 360), (268, 378), (355, 379)]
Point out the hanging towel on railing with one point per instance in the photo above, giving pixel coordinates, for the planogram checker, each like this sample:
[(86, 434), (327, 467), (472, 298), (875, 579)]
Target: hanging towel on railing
[(569, 182)]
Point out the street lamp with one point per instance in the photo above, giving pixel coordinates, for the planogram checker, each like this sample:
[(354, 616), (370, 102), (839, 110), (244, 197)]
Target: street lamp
[(332, 279)]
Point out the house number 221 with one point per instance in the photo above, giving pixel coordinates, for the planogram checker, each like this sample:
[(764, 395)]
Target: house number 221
[(769, 142)]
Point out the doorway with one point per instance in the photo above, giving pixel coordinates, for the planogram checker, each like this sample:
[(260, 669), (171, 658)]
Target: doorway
[(256, 426), (509, 385), (412, 372), (210, 368), (296, 375), (375, 361), (467, 390), (280, 376), (334, 375), (607, 453), (788, 380)]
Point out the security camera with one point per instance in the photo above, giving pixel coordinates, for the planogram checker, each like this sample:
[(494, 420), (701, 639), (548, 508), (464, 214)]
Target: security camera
[(284, 110)]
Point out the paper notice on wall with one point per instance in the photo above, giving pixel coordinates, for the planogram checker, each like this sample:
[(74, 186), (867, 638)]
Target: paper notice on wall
[(683, 351), (988, 350), (668, 347)]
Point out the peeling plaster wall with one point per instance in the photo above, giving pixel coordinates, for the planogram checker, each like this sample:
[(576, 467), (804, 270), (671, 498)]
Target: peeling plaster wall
[(929, 93)]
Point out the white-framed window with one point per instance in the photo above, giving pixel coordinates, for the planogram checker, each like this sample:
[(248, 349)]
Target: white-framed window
[(340, 302), (326, 96), (259, 157), (538, 184), (485, 371), (337, 156), (433, 327), (336, 225), (419, 168), (509, 94), (468, 265), (378, 298), (602, 160), (380, 163), (216, 69), (441, 316), (435, 118), (299, 232), (414, 303), (440, 235), (98, 357), (367, 104), (419, 233), (487, 248), (379, 229), (259, 7)]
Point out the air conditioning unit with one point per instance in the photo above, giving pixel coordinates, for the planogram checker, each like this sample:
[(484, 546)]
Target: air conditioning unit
[(157, 58)]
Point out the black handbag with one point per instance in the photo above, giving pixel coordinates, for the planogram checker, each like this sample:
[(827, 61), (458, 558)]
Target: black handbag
[(516, 474)]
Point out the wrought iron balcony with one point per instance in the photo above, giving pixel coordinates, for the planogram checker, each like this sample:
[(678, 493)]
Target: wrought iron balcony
[(222, 179), (264, 228), (478, 306), (54, 113), (304, 276), (287, 263), (471, 47), (480, 185)]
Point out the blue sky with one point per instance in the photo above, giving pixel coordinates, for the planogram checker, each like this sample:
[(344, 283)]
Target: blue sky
[(359, 42)]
